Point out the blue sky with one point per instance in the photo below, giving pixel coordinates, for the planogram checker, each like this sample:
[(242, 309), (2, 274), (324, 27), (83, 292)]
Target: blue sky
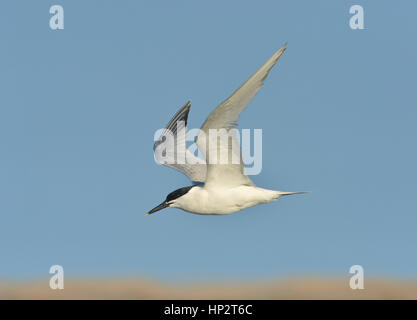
[(79, 108)]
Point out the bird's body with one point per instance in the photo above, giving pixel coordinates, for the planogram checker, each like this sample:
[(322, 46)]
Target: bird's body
[(224, 188), (223, 199)]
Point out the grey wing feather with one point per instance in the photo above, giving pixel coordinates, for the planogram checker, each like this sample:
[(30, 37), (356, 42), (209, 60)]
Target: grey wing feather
[(194, 168), (225, 116), (227, 113)]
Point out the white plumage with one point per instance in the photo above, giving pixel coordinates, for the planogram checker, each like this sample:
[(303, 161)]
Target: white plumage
[(226, 188)]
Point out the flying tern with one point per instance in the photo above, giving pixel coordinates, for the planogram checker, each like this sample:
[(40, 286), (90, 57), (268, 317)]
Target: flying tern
[(221, 188)]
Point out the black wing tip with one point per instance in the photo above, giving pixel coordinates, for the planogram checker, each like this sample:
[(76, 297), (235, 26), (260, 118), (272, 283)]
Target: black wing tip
[(283, 48), (187, 105), (180, 115)]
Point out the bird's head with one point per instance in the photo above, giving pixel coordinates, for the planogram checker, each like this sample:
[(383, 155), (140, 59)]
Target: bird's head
[(170, 199)]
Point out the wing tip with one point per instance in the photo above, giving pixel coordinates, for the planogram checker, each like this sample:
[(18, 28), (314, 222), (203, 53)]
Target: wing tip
[(282, 49)]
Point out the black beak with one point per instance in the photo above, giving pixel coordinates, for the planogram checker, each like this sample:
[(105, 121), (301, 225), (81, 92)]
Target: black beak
[(163, 205)]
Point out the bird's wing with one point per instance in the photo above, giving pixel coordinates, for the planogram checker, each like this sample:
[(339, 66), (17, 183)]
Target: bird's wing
[(173, 152), (225, 116)]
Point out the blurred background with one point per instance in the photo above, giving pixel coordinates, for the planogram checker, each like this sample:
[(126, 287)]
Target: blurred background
[(78, 112)]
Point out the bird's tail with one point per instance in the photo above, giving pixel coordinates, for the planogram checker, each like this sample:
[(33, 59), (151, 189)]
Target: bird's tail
[(283, 193)]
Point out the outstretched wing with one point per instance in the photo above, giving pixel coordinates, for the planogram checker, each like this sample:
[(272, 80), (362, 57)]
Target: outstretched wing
[(225, 116), (176, 149)]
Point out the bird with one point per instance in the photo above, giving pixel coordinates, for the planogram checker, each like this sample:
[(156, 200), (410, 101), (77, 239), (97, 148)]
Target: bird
[(218, 188)]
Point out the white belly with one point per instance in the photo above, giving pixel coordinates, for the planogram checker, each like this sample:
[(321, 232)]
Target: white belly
[(224, 200)]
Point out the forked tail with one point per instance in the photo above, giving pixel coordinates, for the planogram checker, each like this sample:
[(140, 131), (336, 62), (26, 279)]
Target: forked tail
[(283, 193)]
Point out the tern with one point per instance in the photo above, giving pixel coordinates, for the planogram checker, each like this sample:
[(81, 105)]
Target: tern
[(221, 188)]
